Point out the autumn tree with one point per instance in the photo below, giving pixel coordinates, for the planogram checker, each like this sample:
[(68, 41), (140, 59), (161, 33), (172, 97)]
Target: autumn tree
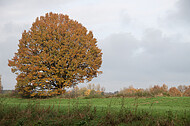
[(54, 54), (173, 91), (164, 88), (182, 88), (187, 92), (82, 91), (156, 90), (128, 91)]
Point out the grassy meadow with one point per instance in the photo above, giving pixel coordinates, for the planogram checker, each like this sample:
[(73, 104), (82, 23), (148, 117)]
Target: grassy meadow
[(95, 111)]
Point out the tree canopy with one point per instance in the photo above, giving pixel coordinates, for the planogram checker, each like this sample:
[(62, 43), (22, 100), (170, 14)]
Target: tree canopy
[(55, 53)]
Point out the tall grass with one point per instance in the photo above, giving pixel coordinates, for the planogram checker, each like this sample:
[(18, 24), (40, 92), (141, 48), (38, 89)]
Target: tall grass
[(35, 113)]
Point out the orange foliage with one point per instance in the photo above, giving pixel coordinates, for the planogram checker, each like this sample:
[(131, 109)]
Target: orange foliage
[(99, 92), (173, 91), (187, 92), (129, 90), (55, 53), (156, 90), (164, 88), (87, 93)]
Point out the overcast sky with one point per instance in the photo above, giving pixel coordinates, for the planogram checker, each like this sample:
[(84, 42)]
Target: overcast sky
[(144, 42)]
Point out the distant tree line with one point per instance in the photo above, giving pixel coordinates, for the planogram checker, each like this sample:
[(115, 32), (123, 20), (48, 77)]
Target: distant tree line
[(96, 91), (156, 90), (90, 91)]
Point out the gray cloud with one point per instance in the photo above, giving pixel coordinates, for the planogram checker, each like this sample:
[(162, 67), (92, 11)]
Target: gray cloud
[(181, 16), (154, 57), (177, 20), (22, 10), (10, 33), (7, 49), (183, 12), (169, 54)]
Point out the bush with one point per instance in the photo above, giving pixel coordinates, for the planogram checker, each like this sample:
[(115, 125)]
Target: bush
[(174, 92), (156, 90), (187, 92)]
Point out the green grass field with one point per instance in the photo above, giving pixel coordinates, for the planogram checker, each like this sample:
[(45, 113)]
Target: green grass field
[(173, 110)]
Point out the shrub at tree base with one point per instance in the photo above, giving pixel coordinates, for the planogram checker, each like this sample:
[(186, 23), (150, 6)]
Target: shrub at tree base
[(173, 91), (86, 92), (55, 53)]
